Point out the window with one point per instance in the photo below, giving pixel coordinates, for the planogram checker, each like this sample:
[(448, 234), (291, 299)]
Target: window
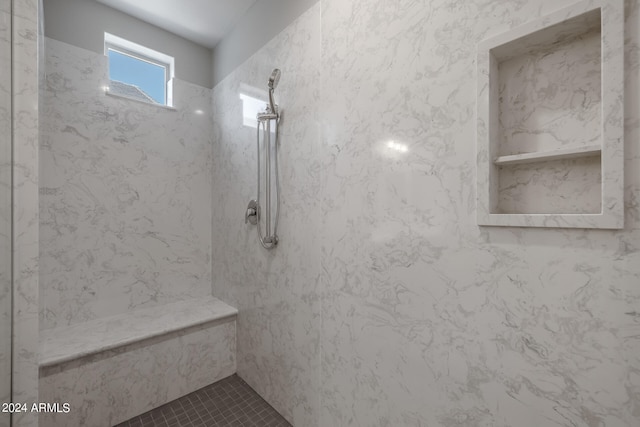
[(250, 108), (138, 72), (254, 101)]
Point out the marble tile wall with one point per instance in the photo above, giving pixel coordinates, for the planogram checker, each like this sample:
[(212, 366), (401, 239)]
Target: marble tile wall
[(426, 318), (5, 208), (125, 194), (26, 72), (276, 292), (429, 319), (570, 111)]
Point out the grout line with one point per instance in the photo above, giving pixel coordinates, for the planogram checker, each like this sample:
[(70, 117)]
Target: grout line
[(230, 401)]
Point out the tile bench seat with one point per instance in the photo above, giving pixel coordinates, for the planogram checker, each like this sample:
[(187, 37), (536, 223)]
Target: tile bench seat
[(112, 369)]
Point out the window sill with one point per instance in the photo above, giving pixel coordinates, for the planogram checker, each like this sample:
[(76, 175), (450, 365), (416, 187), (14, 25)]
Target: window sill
[(115, 95)]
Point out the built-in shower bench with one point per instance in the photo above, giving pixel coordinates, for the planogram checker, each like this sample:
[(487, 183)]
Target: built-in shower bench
[(112, 369), (96, 336)]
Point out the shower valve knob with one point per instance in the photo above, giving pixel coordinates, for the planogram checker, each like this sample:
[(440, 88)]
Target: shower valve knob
[(251, 215)]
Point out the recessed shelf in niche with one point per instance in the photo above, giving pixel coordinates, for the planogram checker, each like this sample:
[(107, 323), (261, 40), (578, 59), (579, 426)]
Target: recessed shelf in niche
[(549, 155), (550, 121)]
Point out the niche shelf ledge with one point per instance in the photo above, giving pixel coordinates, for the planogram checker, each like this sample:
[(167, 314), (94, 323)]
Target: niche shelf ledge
[(558, 154)]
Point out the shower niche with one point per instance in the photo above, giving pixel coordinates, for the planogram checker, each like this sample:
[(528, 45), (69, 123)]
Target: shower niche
[(550, 121)]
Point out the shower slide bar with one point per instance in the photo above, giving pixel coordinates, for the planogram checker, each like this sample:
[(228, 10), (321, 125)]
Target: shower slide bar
[(254, 211)]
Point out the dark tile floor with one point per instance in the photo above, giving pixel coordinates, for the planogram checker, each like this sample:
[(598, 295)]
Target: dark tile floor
[(229, 402)]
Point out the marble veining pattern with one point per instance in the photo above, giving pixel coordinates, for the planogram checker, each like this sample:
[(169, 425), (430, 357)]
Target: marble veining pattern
[(26, 69), (385, 304), (551, 99), (125, 194), (95, 336), (276, 292), (5, 207), (428, 319), (571, 186)]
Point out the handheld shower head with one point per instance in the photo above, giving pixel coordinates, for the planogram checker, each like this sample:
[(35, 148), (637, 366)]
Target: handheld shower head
[(274, 79), (273, 82)]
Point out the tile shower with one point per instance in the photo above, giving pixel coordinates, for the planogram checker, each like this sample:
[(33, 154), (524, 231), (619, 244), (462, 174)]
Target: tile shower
[(385, 303), (122, 214)]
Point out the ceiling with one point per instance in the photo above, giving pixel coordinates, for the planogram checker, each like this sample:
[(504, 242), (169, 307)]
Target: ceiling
[(204, 22)]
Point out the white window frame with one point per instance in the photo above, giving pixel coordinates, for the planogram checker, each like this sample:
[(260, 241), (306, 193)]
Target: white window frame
[(129, 48)]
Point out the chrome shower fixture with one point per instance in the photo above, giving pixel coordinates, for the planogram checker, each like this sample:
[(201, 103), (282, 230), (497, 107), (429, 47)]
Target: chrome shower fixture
[(274, 79), (253, 214)]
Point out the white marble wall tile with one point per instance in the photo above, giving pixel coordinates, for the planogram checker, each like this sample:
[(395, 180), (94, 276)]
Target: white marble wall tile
[(125, 194), (552, 187), (551, 98), (5, 207), (426, 318), (25, 68), (114, 386), (276, 292)]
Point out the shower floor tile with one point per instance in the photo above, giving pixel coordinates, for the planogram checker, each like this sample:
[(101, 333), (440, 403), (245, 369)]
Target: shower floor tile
[(228, 402)]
